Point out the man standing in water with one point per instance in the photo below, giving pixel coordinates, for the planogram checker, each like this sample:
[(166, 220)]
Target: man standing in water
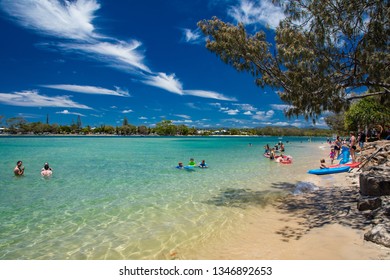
[(352, 146), (19, 168)]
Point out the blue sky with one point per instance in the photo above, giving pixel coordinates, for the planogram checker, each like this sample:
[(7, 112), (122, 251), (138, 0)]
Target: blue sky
[(144, 60)]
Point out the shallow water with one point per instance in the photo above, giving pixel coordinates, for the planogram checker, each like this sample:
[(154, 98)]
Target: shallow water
[(123, 198)]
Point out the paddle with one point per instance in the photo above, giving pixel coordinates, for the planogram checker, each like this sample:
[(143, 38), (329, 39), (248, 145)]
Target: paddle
[(369, 158)]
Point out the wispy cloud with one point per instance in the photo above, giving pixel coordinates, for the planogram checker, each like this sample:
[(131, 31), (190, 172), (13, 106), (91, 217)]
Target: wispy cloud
[(172, 84), (280, 107), (209, 94), (90, 89), (34, 99), (62, 19), (192, 36), (121, 55), (127, 111), (254, 12), (165, 81), (72, 21), (183, 116), (66, 112)]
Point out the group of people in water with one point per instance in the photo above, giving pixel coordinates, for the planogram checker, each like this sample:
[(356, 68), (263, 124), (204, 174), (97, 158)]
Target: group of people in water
[(192, 164), (271, 152), (45, 171)]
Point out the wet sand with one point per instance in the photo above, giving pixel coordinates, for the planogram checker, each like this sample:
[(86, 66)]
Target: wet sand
[(323, 224)]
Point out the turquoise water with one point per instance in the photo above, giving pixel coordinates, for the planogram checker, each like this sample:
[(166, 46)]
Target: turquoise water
[(123, 198)]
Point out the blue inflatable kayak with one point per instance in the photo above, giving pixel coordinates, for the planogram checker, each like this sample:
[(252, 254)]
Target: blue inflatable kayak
[(329, 170)]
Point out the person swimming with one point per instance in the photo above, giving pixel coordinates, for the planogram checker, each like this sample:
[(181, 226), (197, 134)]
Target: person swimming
[(180, 165), (46, 170), (192, 162), (203, 164)]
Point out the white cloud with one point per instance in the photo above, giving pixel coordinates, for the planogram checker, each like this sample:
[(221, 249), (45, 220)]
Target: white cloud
[(66, 112), (263, 116), (172, 84), (216, 104), (142, 118), (90, 89), (183, 116), (63, 19), (246, 107), (164, 81), (121, 55), (182, 121), (281, 124), (127, 111), (209, 94), (232, 112), (248, 113), (280, 107), (270, 113), (72, 22), (192, 36), (34, 99), (252, 12)]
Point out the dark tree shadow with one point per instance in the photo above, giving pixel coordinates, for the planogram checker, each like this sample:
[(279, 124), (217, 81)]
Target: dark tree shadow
[(324, 206), (243, 198), (312, 206)]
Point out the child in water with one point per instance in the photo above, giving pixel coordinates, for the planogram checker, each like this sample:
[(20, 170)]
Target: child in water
[(203, 164), (192, 162)]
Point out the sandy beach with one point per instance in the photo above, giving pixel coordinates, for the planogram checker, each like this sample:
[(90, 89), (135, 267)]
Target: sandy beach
[(323, 224)]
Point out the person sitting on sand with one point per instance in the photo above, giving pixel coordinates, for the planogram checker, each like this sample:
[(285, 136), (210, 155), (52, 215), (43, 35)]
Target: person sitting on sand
[(46, 170), (19, 168), (203, 164), (323, 164)]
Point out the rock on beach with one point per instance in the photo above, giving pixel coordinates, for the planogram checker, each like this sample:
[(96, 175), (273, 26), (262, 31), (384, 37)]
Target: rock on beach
[(374, 181)]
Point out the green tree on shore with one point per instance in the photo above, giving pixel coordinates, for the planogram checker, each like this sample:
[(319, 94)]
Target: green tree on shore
[(166, 127), (367, 113), (322, 50)]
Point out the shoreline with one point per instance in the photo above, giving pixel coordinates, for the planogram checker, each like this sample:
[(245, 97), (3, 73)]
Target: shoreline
[(322, 224), (309, 232)]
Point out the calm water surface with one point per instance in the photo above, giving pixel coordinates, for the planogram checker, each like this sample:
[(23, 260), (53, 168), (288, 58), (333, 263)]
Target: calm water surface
[(123, 198)]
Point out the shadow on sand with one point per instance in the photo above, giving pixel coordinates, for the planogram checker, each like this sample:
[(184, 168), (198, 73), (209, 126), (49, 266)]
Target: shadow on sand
[(324, 206), (314, 207)]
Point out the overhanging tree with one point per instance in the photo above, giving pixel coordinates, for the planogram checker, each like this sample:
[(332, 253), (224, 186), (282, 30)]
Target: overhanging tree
[(324, 50)]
